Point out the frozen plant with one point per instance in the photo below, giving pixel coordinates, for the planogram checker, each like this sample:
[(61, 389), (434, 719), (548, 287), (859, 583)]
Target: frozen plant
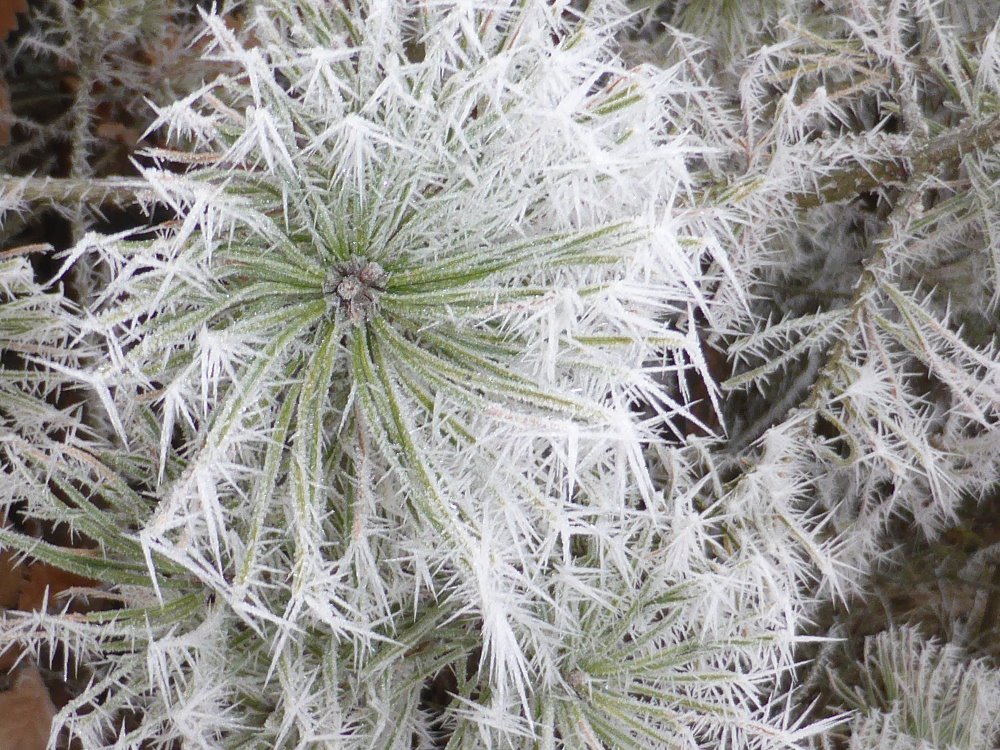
[(916, 693), (486, 390), (35, 330), (405, 375), (40, 371), (876, 327), (77, 79)]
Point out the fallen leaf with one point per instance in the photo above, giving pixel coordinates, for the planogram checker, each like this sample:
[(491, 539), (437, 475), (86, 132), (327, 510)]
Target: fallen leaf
[(114, 131), (26, 711), (11, 573), (10, 657), (8, 15), (42, 578), (11, 580)]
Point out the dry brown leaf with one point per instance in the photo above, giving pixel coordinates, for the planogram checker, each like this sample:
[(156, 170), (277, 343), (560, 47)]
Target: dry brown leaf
[(11, 574), (10, 657), (42, 577), (11, 580), (26, 712), (115, 131), (8, 15)]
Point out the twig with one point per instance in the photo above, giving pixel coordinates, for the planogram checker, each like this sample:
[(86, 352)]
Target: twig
[(98, 193), (947, 147)]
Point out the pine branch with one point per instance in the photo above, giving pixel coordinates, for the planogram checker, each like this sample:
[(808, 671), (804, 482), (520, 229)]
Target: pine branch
[(97, 193), (945, 148)]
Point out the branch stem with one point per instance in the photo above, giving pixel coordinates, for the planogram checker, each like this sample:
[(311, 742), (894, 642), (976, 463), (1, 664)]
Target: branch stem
[(945, 148), (116, 192)]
